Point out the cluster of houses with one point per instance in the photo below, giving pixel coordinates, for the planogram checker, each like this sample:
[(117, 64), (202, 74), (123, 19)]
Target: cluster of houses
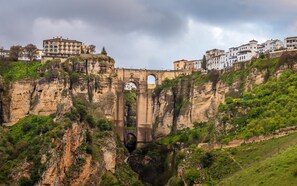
[(219, 59), (23, 56), (60, 48), (55, 48)]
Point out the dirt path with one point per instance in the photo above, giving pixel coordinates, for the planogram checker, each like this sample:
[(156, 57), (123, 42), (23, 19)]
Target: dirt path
[(235, 143)]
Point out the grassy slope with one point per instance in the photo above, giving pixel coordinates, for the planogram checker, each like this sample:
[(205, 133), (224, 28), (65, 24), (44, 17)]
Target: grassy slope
[(277, 169), (12, 71), (250, 154), (250, 159)]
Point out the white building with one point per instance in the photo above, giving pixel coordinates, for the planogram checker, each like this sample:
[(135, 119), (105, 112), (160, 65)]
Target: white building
[(242, 53), (232, 56), (198, 64), (291, 42), (215, 59), (270, 46), (37, 56), (228, 59), (4, 53)]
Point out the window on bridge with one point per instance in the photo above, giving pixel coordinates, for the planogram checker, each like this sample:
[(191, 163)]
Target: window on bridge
[(130, 86), (130, 101), (151, 81)]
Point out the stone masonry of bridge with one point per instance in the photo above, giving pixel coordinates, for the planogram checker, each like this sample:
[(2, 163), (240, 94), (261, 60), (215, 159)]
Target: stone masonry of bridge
[(144, 114)]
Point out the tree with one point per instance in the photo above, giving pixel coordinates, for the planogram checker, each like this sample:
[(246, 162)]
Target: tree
[(203, 65), (1, 55), (15, 52), (92, 49), (103, 51), (30, 51)]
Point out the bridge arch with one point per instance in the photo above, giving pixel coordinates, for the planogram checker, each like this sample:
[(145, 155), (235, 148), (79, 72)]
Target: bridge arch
[(152, 81)]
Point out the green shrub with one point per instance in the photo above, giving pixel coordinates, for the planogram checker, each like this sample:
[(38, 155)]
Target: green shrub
[(104, 125), (91, 121), (82, 110), (74, 78), (191, 176), (207, 159), (174, 181), (26, 127), (24, 181), (183, 138), (108, 179)]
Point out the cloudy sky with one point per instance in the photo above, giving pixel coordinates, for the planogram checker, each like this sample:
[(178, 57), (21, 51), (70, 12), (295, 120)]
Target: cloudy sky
[(148, 33)]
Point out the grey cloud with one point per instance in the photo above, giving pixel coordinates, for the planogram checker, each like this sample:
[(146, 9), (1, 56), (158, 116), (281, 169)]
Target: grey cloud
[(118, 16), (144, 30)]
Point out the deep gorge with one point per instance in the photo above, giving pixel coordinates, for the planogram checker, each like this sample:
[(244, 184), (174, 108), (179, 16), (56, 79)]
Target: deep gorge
[(72, 115)]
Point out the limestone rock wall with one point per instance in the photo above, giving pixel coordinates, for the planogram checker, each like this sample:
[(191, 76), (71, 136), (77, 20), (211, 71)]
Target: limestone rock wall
[(17, 102), (63, 163), (44, 97), (48, 97), (199, 103)]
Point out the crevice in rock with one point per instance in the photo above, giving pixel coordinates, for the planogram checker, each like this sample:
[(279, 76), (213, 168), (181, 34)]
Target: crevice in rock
[(1, 109)]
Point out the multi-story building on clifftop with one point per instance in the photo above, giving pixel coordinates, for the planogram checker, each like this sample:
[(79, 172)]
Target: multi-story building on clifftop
[(190, 65), (215, 59), (247, 51), (270, 45), (60, 48), (291, 42)]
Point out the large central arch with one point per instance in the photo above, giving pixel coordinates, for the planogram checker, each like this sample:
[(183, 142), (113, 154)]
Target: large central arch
[(144, 92)]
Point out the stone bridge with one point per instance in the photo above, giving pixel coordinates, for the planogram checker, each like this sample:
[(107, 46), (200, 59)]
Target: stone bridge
[(144, 101)]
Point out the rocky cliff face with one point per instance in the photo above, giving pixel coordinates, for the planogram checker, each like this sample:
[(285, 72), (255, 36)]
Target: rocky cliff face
[(178, 108), (42, 97), (69, 164), (1, 103)]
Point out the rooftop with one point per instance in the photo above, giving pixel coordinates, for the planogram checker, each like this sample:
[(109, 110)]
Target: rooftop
[(293, 37), (62, 39)]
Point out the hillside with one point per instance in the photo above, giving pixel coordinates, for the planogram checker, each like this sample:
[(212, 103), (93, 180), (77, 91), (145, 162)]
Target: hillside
[(278, 169), (78, 149)]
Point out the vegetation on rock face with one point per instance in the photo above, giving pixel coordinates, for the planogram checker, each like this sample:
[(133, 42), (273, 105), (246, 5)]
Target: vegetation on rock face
[(12, 71), (203, 132), (263, 110), (22, 146)]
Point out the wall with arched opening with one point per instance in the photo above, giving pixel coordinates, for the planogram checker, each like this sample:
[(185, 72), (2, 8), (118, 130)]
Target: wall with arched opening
[(130, 105), (151, 81)]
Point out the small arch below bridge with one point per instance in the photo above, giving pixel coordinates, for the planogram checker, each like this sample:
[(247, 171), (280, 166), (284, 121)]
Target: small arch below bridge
[(130, 141)]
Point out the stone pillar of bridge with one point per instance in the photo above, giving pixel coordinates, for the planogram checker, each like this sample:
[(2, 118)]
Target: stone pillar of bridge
[(119, 112), (144, 114)]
